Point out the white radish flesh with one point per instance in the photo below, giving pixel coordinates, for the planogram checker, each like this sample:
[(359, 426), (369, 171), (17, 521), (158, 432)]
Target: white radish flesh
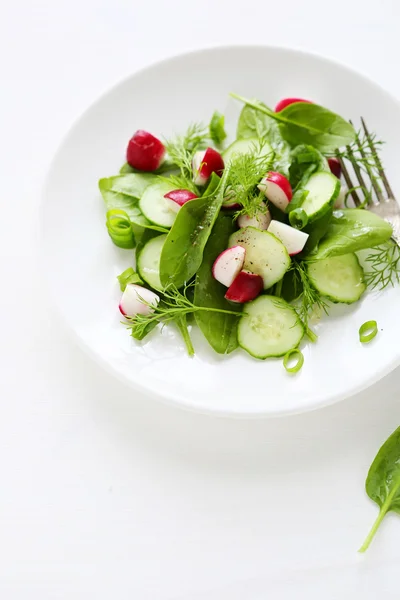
[(228, 265), (293, 239), (136, 300), (276, 189), (261, 220)]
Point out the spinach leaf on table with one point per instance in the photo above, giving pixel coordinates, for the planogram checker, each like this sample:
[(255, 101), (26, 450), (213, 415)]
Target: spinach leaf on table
[(220, 330), (254, 124), (124, 192), (182, 252), (304, 123), (353, 229), (383, 482)]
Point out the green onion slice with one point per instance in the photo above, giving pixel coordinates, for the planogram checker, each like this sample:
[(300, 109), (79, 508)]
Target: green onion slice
[(298, 218), (368, 331), (296, 355), (119, 228)]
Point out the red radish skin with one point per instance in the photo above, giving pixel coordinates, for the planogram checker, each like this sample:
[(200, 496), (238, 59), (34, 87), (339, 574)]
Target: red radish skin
[(206, 162), (145, 152), (277, 189), (335, 166), (245, 287), (177, 198), (293, 239), (227, 205), (260, 221), (288, 101), (132, 301), (228, 265)]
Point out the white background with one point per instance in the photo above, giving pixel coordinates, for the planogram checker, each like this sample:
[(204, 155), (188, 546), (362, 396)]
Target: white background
[(108, 495)]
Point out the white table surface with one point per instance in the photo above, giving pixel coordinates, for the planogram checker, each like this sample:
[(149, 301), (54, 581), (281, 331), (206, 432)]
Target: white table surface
[(108, 495)]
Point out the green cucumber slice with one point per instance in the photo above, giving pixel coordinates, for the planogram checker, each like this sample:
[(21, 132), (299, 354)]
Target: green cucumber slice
[(265, 254), (269, 327), (245, 147), (153, 205), (323, 189), (339, 278), (148, 264)]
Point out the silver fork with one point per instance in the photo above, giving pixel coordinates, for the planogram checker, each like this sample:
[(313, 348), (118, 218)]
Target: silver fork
[(385, 207)]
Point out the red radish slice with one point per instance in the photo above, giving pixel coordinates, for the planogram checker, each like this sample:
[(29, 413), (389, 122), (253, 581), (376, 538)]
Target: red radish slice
[(293, 239), (288, 101), (245, 287), (335, 166), (277, 189), (260, 221), (145, 152), (134, 298), (206, 162), (231, 205), (228, 265), (178, 198)]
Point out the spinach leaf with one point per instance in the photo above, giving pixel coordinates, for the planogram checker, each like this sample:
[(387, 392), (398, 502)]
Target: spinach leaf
[(305, 160), (128, 276), (182, 252), (304, 123), (181, 323), (124, 192), (353, 229), (383, 482), (217, 129), (166, 167), (219, 329), (254, 124)]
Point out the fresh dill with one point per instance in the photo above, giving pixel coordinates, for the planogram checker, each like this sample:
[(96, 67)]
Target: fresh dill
[(247, 170), (310, 300), (383, 266), (362, 154), (173, 306), (181, 150)]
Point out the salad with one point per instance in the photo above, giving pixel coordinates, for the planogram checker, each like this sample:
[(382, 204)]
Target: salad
[(247, 240)]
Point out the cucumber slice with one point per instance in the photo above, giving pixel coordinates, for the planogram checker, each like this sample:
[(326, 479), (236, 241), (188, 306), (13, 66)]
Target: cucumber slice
[(339, 278), (148, 264), (245, 147), (323, 189), (153, 205), (265, 254), (269, 327)]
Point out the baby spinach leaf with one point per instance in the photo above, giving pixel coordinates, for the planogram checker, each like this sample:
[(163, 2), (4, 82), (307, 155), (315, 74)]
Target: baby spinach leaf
[(182, 252), (124, 192), (166, 167), (352, 229), (306, 123), (254, 124), (217, 129), (219, 329), (383, 482)]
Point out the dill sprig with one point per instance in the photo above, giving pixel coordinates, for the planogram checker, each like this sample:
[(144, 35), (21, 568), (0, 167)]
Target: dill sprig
[(383, 266), (360, 154), (173, 306), (247, 170), (310, 300), (182, 148)]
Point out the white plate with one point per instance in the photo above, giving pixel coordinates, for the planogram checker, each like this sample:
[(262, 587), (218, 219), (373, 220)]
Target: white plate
[(81, 262)]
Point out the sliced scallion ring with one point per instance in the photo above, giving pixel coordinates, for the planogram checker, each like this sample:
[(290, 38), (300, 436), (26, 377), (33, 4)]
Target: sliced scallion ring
[(298, 218), (295, 355), (119, 228), (368, 331)]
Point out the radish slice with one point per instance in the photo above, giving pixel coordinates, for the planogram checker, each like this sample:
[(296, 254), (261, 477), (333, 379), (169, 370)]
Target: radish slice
[(228, 265), (335, 166), (132, 301), (177, 198), (145, 152), (260, 221), (293, 239), (277, 189), (206, 162), (287, 102), (245, 287)]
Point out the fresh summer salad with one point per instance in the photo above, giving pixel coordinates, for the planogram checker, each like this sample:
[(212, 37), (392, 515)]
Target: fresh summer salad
[(248, 240)]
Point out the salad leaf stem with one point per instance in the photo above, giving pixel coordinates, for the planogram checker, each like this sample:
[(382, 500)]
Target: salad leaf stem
[(382, 513)]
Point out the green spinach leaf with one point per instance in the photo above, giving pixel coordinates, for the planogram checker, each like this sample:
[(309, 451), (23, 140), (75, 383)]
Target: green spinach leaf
[(383, 482), (304, 123), (353, 229), (166, 167), (254, 124), (124, 192), (182, 253), (219, 329), (217, 128)]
